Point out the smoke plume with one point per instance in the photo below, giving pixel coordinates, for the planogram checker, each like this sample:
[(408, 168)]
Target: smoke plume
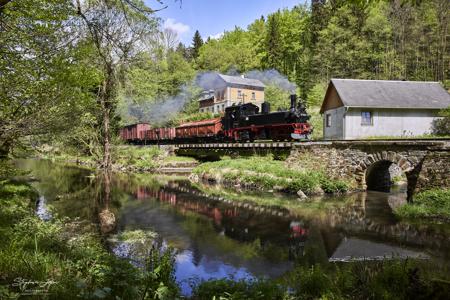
[(164, 109), (272, 77)]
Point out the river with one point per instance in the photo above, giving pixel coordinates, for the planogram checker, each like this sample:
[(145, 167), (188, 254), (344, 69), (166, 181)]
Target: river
[(221, 233)]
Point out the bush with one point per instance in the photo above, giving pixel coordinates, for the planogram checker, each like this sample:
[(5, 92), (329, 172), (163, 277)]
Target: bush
[(442, 126)]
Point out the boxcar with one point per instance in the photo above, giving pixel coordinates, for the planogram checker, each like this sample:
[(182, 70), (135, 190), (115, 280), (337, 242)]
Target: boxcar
[(159, 134), (134, 133), (206, 129)]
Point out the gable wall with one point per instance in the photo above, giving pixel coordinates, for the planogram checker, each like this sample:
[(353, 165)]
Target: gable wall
[(332, 99)]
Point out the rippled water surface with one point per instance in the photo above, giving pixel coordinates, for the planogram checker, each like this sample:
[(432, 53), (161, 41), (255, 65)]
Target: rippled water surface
[(225, 234)]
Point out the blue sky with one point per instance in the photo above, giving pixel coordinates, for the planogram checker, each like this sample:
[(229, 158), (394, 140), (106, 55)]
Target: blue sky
[(212, 17)]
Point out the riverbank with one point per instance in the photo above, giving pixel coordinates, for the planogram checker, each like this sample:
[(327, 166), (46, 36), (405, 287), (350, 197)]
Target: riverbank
[(130, 159), (431, 205), (265, 173), (62, 258), (73, 254)]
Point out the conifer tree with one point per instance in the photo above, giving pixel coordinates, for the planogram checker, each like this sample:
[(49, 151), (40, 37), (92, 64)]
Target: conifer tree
[(197, 42)]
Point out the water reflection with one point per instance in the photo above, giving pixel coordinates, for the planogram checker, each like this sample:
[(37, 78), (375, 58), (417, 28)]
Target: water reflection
[(42, 210), (217, 236)]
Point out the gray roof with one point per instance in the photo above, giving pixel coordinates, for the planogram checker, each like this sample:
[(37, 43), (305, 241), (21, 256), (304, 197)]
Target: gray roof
[(238, 80), (391, 94)]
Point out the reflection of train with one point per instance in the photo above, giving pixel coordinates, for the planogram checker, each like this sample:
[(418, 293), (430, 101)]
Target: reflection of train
[(238, 223), (240, 123)]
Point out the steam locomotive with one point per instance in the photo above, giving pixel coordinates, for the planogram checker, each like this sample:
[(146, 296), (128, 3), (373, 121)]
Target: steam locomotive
[(240, 123)]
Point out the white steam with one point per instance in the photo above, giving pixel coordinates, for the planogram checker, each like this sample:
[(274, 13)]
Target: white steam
[(162, 110), (272, 77)]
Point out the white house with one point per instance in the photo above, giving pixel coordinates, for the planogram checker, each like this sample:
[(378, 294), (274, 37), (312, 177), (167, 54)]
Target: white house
[(354, 109)]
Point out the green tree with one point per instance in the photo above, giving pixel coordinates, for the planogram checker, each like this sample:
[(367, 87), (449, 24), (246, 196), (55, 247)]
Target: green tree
[(197, 42), (44, 83), (273, 42), (116, 28)]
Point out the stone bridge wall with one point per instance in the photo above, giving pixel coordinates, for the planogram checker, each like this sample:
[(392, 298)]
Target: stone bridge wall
[(426, 164)]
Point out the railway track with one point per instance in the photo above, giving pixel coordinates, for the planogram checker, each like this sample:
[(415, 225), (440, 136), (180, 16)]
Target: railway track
[(269, 144)]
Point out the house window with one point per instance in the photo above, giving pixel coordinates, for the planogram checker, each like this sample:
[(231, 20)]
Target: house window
[(253, 96), (366, 118), (328, 120), (201, 109), (223, 107), (239, 93)]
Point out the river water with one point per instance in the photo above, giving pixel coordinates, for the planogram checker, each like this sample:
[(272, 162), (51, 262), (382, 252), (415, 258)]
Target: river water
[(221, 233)]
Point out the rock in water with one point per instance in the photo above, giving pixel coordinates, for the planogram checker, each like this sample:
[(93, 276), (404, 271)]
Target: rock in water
[(107, 221), (301, 195)]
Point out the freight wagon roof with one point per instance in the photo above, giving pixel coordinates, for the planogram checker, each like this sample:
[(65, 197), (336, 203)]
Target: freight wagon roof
[(390, 94), (200, 123)]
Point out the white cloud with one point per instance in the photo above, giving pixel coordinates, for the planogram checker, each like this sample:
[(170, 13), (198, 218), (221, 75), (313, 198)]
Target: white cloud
[(178, 27), (216, 36)]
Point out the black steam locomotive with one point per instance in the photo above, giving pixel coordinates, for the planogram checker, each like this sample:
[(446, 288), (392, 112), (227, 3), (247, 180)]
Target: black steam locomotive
[(245, 122)]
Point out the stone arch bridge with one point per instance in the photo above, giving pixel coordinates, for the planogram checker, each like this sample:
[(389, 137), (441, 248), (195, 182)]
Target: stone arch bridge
[(366, 164)]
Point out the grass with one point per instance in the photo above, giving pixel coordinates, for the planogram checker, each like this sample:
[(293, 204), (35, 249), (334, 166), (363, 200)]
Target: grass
[(363, 280), (69, 255), (266, 173), (133, 158), (431, 204), (140, 157)]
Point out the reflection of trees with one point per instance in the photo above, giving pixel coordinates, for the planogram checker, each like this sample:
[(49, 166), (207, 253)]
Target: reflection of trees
[(106, 217)]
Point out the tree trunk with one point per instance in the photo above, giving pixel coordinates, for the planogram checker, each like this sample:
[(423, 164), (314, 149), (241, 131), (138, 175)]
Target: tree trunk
[(107, 99)]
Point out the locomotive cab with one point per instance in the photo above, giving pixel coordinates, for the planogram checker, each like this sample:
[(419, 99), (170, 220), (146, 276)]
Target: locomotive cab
[(235, 116)]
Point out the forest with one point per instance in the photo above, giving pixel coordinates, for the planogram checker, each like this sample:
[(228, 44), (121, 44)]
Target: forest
[(74, 71)]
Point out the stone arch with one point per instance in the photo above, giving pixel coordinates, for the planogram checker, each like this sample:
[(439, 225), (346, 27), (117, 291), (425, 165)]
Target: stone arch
[(377, 164)]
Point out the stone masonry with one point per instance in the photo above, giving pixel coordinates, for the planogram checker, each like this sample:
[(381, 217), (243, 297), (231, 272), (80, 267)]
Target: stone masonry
[(426, 164)]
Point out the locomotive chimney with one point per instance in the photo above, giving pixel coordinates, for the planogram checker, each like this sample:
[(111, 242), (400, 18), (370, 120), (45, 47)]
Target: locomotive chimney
[(293, 101), (265, 108)]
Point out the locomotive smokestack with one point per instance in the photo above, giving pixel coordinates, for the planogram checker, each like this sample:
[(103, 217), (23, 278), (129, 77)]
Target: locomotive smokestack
[(293, 101)]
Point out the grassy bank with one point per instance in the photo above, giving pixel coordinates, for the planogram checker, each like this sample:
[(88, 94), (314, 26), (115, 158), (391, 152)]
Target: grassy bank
[(268, 174), (362, 280), (432, 204), (64, 259), (126, 158)]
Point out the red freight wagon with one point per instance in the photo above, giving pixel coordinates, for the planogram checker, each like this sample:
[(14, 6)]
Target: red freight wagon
[(134, 133), (201, 129), (157, 134)]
